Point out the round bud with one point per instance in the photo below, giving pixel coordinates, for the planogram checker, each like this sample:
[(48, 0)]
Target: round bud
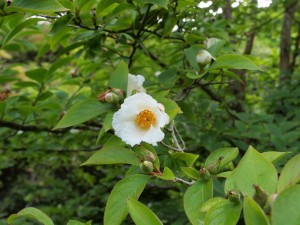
[(203, 57), (212, 168), (204, 174), (150, 157), (111, 98), (146, 167), (234, 196)]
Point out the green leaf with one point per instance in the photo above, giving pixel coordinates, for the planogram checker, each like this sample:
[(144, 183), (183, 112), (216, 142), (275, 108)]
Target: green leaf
[(36, 6), (59, 63), (19, 28), (113, 152), (81, 112), (38, 75), (274, 157), (116, 207), (60, 24), (211, 203), (253, 169), (141, 214), (286, 208), (161, 3), (253, 214), (223, 213), (228, 154), (171, 107), (168, 78), (194, 198), (119, 77), (167, 175), (190, 54), (191, 172), (107, 123), (290, 173), (75, 222), (234, 61), (33, 213)]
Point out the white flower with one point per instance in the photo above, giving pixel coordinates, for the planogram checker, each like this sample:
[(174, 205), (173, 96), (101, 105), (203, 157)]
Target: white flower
[(140, 118), (211, 41), (135, 83)]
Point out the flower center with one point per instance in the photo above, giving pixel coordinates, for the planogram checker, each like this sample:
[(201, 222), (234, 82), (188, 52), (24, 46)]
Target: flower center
[(145, 119)]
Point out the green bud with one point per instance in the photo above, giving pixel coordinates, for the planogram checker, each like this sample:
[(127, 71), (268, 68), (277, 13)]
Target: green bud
[(146, 167), (260, 196), (214, 168), (204, 174), (120, 93), (234, 196), (111, 98)]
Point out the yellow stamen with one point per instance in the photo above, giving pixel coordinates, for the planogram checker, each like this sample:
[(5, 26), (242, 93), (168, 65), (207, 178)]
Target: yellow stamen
[(145, 119)]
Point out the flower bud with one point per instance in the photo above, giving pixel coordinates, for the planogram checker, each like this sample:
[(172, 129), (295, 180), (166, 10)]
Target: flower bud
[(119, 92), (214, 168), (74, 72), (150, 157), (234, 196), (146, 167), (111, 98), (260, 196), (203, 57), (4, 95), (204, 174), (211, 41)]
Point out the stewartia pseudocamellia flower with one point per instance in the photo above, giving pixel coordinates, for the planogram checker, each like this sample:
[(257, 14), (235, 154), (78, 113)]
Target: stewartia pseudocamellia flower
[(140, 118)]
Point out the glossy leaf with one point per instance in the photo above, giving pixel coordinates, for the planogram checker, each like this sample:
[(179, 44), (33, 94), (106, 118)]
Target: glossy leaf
[(274, 157), (223, 213), (191, 172), (81, 112), (195, 196), (113, 152), (33, 213), (141, 214), (253, 214), (228, 154), (116, 207), (286, 207), (19, 28), (119, 77), (36, 6), (233, 61), (253, 169), (38, 75), (290, 173), (60, 24), (167, 175)]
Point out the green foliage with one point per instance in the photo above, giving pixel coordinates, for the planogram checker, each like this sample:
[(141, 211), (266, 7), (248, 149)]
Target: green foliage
[(31, 213), (141, 214)]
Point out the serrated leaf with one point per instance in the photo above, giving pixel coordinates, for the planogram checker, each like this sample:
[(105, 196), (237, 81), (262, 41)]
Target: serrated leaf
[(116, 207), (36, 6), (194, 198), (286, 208), (253, 169), (141, 214), (33, 213), (234, 61), (167, 175), (290, 173), (223, 213), (113, 152), (228, 154), (253, 214), (81, 112), (119, 77)]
